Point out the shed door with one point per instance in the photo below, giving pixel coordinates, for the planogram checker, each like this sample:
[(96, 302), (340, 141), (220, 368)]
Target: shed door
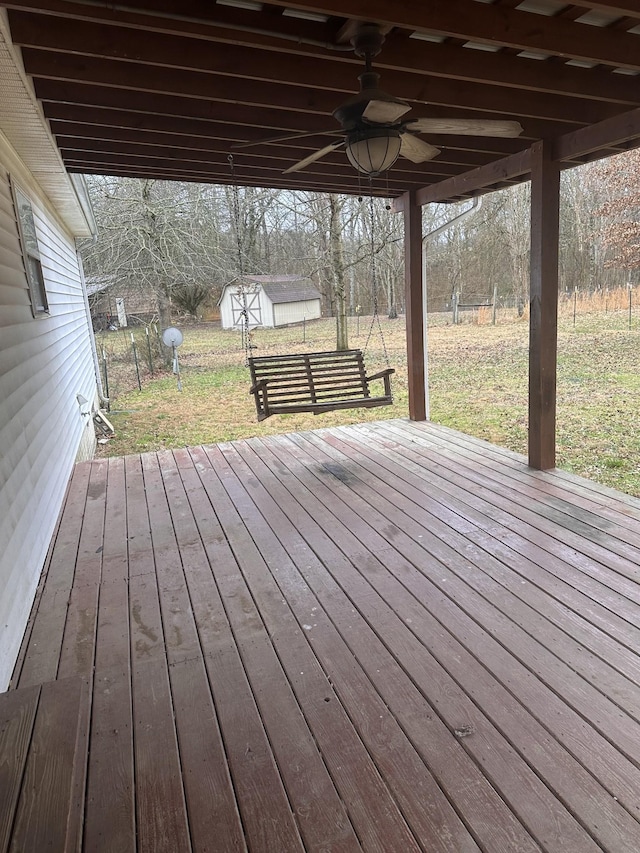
[(254, 312)]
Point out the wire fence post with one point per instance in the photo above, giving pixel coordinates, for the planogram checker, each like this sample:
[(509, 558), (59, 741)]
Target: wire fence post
[(106, 377), (494, 306), (304, 330), (176, 366), (630, 303), (575, 303), (135, 359), (146, 329)]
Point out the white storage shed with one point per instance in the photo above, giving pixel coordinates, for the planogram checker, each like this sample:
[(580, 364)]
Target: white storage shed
[(271, 300)]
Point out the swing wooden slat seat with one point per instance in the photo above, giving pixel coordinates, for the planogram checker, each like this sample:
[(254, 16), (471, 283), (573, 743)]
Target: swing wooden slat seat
[(314, 382)]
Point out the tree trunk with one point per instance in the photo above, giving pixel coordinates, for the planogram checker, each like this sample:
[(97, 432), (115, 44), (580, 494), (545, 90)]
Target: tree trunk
[(338, 274)]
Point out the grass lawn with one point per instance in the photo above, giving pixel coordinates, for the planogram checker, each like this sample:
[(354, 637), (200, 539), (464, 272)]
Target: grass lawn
[(478, 384)]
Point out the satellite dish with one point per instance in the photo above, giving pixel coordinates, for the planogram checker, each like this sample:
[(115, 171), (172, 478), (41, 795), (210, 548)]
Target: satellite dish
[(172, 337)]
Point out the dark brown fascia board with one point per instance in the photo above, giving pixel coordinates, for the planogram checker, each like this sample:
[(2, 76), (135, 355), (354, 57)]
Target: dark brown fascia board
[(573, 146), (482, 178), (620, 130), (289, 35), (278, 68)]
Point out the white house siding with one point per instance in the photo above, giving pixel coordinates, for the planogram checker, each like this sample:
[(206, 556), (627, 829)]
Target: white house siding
[(295, 312), (44, 363)]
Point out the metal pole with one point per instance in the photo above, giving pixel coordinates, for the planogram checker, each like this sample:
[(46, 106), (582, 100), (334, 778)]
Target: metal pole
[(493, 311), (176, 366), (106, 377), (146, 329), (304, 330), (630, 303), (135, 358), (575, 303)]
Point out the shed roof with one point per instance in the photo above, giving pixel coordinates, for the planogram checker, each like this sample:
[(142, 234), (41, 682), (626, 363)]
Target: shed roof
[(284, 288), (153, 90)]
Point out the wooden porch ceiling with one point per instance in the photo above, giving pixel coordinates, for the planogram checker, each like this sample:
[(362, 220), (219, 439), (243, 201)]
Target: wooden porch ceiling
[(148, 91)]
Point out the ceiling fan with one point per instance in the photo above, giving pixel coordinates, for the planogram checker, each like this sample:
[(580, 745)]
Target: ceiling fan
[(375, 134)]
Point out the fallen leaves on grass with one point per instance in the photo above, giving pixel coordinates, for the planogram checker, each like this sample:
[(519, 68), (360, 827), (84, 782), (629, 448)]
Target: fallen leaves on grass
[(478, 384)]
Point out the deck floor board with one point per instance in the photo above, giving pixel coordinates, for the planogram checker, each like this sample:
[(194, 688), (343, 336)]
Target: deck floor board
[(381, 637)]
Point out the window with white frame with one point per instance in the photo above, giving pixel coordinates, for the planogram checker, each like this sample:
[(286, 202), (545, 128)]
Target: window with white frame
[(30, 253)]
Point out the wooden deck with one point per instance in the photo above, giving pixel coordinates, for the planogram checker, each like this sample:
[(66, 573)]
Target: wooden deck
[(387, 637)]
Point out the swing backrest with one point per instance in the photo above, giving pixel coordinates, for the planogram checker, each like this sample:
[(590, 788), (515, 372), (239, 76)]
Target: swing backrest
[(313, 382)]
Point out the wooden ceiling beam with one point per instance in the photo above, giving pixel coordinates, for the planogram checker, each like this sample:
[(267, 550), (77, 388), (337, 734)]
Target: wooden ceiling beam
[(308, 102), (103, 123), (311, 38), (272, 120), (630, 8), (277, 68), (505, 69), (205, 11), (111, 117), (483, 178), (310, 185), (492, 24), (49, 65), (69, 134), (282, 157), (619, 131), (195, 17), (262, 167)]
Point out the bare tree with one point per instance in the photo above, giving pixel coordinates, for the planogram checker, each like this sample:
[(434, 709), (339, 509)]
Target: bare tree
[(155, 236)]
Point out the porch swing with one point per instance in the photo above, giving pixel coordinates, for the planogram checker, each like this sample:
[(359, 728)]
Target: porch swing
[(315, 382)]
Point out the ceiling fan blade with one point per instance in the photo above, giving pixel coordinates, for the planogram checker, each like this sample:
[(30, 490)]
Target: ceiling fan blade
[(313, 157), (466, 127), (416, 150), (284, 137), (384, 112)]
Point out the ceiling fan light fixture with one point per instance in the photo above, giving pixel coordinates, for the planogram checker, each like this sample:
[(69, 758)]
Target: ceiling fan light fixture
[(373, 151)]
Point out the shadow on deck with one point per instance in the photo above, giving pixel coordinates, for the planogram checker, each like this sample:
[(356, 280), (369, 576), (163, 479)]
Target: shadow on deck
[(386, 637)]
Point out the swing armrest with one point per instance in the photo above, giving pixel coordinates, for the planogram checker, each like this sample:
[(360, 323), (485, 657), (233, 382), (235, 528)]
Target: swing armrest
[(382, 375), (260, 384)]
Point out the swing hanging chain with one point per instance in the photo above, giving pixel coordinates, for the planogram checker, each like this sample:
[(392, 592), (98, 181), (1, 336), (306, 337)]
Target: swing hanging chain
[(375, 320), (244, 313)]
